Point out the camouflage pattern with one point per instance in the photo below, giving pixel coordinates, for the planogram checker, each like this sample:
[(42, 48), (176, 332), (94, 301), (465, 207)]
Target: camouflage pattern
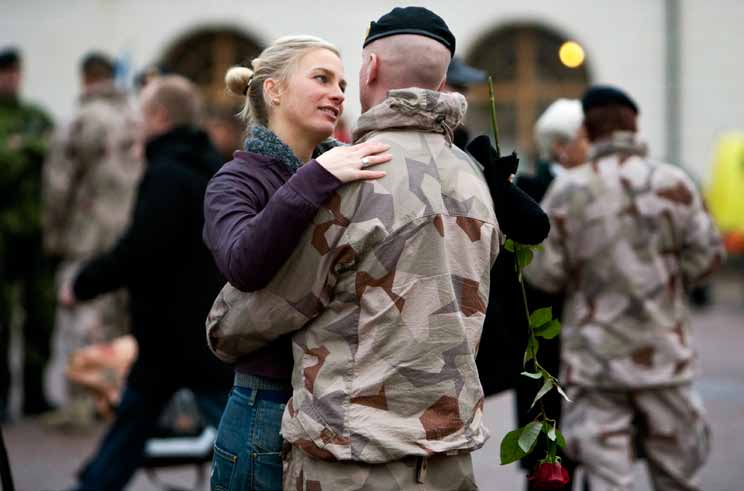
[(629, 236), (90, 179), (598, 426), (24, 134), (390, 285), (26, 275), (438, 473), (91, 175)]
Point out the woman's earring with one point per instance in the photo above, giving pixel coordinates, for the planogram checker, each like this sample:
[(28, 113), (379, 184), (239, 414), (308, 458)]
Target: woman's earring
[(275, 102)]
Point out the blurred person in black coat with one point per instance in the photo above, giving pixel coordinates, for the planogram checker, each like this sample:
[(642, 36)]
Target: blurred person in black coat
[(561, 144), (171, 279)]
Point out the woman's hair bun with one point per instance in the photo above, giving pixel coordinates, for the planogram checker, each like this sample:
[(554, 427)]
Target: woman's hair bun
[(238, 79)]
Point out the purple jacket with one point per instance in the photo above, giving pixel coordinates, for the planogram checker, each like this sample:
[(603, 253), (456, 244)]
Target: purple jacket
[(255, 214)]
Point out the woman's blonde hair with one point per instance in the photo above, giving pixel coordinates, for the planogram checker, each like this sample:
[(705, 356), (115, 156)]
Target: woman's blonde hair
[(277, 62)]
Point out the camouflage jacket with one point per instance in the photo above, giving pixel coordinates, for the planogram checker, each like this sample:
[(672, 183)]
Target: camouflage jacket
[(389, 288), (90, 176), (24, 132), (629, 236)]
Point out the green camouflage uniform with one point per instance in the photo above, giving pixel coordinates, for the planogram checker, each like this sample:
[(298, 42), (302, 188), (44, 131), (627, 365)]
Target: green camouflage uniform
[(90, 180), (629, 237), (390, 285), (26, 278)]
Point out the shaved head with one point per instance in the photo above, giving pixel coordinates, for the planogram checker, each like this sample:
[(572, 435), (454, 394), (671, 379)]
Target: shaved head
[(399, 62)]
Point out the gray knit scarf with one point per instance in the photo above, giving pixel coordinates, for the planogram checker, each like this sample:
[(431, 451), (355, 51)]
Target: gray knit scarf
[(263, 141)]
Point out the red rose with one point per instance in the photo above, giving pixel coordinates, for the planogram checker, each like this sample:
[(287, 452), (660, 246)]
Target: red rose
[(549, 476)]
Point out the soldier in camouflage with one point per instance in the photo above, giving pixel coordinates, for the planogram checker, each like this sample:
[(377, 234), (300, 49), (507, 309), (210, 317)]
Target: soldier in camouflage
[(26, 278), (90, 178), (629, 237), (387, 291)]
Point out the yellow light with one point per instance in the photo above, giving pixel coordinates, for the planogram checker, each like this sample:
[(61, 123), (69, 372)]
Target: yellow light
[(571, 54)]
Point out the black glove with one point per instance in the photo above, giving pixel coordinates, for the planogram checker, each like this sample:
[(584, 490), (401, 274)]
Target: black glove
[(520, 217)]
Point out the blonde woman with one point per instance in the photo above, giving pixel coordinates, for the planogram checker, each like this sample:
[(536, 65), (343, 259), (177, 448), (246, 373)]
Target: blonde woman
[(257, 208)]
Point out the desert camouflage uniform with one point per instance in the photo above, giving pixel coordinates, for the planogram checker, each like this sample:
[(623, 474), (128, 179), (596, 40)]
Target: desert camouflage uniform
[(89, 183), (629, 236), (391, 288)]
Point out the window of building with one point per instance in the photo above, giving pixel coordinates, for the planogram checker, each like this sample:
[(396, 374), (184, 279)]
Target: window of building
[(528, 75), (204, 57)]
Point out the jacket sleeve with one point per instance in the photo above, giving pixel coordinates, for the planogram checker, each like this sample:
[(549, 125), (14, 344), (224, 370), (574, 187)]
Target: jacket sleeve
[(250, 234), (702, 251), (243, 322), (156, 228)]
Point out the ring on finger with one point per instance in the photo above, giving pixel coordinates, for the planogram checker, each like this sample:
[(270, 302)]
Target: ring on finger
[(365, 161)]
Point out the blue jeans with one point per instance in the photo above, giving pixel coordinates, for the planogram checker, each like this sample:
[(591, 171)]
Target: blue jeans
[(122, 450), (248, 450)]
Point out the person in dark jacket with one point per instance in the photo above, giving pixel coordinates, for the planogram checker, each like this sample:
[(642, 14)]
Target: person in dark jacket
[(171, 279), (561, 144)]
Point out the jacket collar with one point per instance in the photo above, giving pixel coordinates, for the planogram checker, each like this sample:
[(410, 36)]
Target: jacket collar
[(625, 142), (414, 109)]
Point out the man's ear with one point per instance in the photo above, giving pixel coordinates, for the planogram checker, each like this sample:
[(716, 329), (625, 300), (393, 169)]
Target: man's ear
[(373, 67), (161, 115), (442, 84)]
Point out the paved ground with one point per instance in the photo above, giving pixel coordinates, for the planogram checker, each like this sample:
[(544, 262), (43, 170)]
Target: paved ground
[(44, 460)]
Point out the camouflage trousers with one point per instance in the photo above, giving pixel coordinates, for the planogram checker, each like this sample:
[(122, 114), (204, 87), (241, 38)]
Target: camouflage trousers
[(668, 424), (437, 473)]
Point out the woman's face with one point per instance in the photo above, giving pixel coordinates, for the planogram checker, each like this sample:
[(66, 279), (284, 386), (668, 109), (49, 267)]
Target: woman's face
[(312, 99)]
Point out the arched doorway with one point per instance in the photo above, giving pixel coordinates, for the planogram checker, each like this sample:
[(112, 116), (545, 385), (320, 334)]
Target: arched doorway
[(204, 56), (528, 75)]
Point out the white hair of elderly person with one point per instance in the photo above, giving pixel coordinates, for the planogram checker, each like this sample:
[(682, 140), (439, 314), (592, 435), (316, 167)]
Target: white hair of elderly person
[(557, 126)]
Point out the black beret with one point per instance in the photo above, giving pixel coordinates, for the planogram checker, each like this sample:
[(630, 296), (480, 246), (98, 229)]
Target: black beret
[(606, 95), (9, 58), (411, 20), (96, 60)]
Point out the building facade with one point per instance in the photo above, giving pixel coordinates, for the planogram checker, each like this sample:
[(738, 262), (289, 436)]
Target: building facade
[(677, 58)]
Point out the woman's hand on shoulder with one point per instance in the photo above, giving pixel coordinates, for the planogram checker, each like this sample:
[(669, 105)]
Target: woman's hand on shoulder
[(350, 163)]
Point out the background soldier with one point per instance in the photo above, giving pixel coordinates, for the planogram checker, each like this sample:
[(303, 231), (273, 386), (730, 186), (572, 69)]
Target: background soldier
[(89, 183), (630, 236), (26, 279)]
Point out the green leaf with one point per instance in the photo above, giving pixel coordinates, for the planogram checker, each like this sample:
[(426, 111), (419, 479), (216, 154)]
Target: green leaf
[(552, 433), (549, 330), (510, 451), (529, 436), (559, 438), (560, 391), (531, 352), (541, 316), (536, 376), (547, 385), (509, 245), (524, 257)]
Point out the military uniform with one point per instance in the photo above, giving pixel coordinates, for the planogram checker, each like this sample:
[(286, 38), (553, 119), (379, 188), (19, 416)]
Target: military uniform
[(26, 274), (90, 179), (629, 236), (391, 289)]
